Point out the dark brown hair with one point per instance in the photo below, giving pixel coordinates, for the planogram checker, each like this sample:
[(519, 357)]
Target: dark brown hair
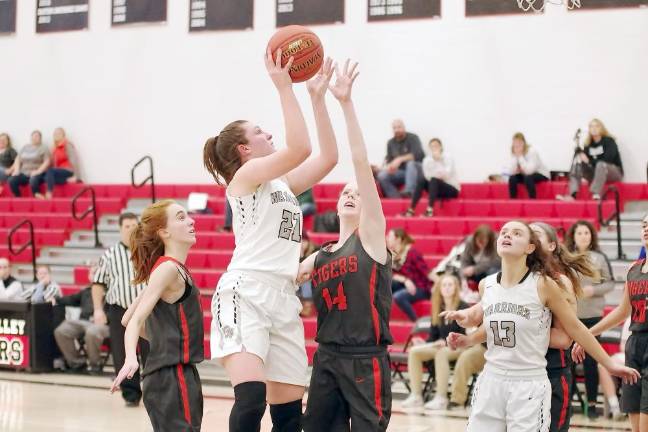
[(569, 238), (6, 135), (436, 140), (571, 264), (486, 232), (146, 245), (220, 153), (126, 216)]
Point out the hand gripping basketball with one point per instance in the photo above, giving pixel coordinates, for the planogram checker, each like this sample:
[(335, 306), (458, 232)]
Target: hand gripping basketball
[(278, 74)]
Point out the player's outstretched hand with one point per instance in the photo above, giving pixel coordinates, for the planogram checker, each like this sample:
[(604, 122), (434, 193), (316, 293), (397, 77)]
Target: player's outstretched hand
[(457, 340), (461, 316), (128, 370), (578, 353), (628, 375), (318, 85), (279, 75), (344, 81)]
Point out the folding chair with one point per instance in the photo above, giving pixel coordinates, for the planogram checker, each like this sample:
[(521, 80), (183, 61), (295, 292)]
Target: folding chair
[(398, 359)]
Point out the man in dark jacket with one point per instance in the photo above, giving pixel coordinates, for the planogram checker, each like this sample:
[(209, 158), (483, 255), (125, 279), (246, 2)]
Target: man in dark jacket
[(402, 162)]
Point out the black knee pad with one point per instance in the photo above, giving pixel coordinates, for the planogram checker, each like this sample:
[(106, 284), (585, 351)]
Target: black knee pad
[(249, 407), (286, 417)]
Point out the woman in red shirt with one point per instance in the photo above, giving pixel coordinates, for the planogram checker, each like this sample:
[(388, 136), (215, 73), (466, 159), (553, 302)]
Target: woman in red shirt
[(65, 165)]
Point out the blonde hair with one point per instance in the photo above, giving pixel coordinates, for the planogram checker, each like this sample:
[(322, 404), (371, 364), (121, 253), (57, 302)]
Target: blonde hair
[(604, 132), (520, 136), (437, 298)]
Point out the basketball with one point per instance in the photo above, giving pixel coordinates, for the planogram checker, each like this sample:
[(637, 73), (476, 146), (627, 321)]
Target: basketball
[(302, 44)]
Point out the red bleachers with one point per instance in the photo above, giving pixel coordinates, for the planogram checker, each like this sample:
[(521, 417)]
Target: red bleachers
[(478, 203)]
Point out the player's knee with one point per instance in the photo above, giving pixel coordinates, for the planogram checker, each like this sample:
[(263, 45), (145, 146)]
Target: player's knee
[(249, 406), (287, 417)]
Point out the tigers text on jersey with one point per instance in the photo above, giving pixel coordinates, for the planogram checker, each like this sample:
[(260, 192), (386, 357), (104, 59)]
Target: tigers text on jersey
[(352, 294), (517, 326), (267, 230), (638, 291)]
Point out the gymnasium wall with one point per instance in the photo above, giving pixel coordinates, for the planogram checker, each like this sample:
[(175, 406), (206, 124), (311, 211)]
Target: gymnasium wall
[(156, 89)]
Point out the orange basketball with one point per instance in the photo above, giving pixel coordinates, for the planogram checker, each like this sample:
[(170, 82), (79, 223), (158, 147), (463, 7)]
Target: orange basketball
[(302, 44)]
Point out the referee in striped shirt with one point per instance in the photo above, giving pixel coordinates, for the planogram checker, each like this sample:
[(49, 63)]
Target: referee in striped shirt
[(112, 283)]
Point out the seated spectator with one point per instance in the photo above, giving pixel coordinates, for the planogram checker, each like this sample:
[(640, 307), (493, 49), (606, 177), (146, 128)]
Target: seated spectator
[(10, 288), (30, 166), (305, 291), (402, 162), (65, 163), (583, 238), (72, 330), (439, 178), (7, 158), (598, 163), (410, 283), (445, 297), (45, 290), (479, 258), (610, 385), (525, 167)]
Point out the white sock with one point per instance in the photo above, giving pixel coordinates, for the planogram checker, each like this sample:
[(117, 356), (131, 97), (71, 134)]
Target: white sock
[(614, 403)]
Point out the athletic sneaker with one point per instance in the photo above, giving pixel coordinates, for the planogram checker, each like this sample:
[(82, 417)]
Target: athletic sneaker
[(437, 404), (412, 402)]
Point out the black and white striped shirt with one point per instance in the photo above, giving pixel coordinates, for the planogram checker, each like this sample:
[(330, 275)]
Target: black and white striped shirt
[(116, 274)]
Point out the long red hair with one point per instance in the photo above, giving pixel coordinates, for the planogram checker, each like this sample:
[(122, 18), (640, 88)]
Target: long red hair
[(147, 246)]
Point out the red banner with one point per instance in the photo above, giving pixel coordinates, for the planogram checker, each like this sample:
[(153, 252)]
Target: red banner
[(14, 351)]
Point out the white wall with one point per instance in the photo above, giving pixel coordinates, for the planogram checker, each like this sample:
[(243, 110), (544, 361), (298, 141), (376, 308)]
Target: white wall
[(124, 92)]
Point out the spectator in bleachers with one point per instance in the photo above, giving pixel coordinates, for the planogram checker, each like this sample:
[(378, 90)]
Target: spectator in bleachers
[(582, 238), (30, 166), (439, 178), (479, 258), (10, 288), (599, 162), (7, 158), (445, 297), (525, 167), (402, 162), (72, 330), (46, 290), (65, 163), (609, 385), (410, 283)]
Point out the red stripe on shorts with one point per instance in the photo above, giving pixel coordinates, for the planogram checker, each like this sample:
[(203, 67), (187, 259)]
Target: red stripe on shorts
[(372, 297), (184, 397), (377, 387), (562, 358), (185, 334), (565, 402)]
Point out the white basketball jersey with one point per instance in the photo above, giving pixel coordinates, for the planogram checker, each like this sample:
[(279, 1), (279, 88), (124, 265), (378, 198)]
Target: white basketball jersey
[(267, 230), (518, 327)]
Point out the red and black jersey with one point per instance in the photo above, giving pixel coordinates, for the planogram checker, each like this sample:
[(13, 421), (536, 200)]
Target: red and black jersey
[(175, 330), (638, 291), (352, 294)]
